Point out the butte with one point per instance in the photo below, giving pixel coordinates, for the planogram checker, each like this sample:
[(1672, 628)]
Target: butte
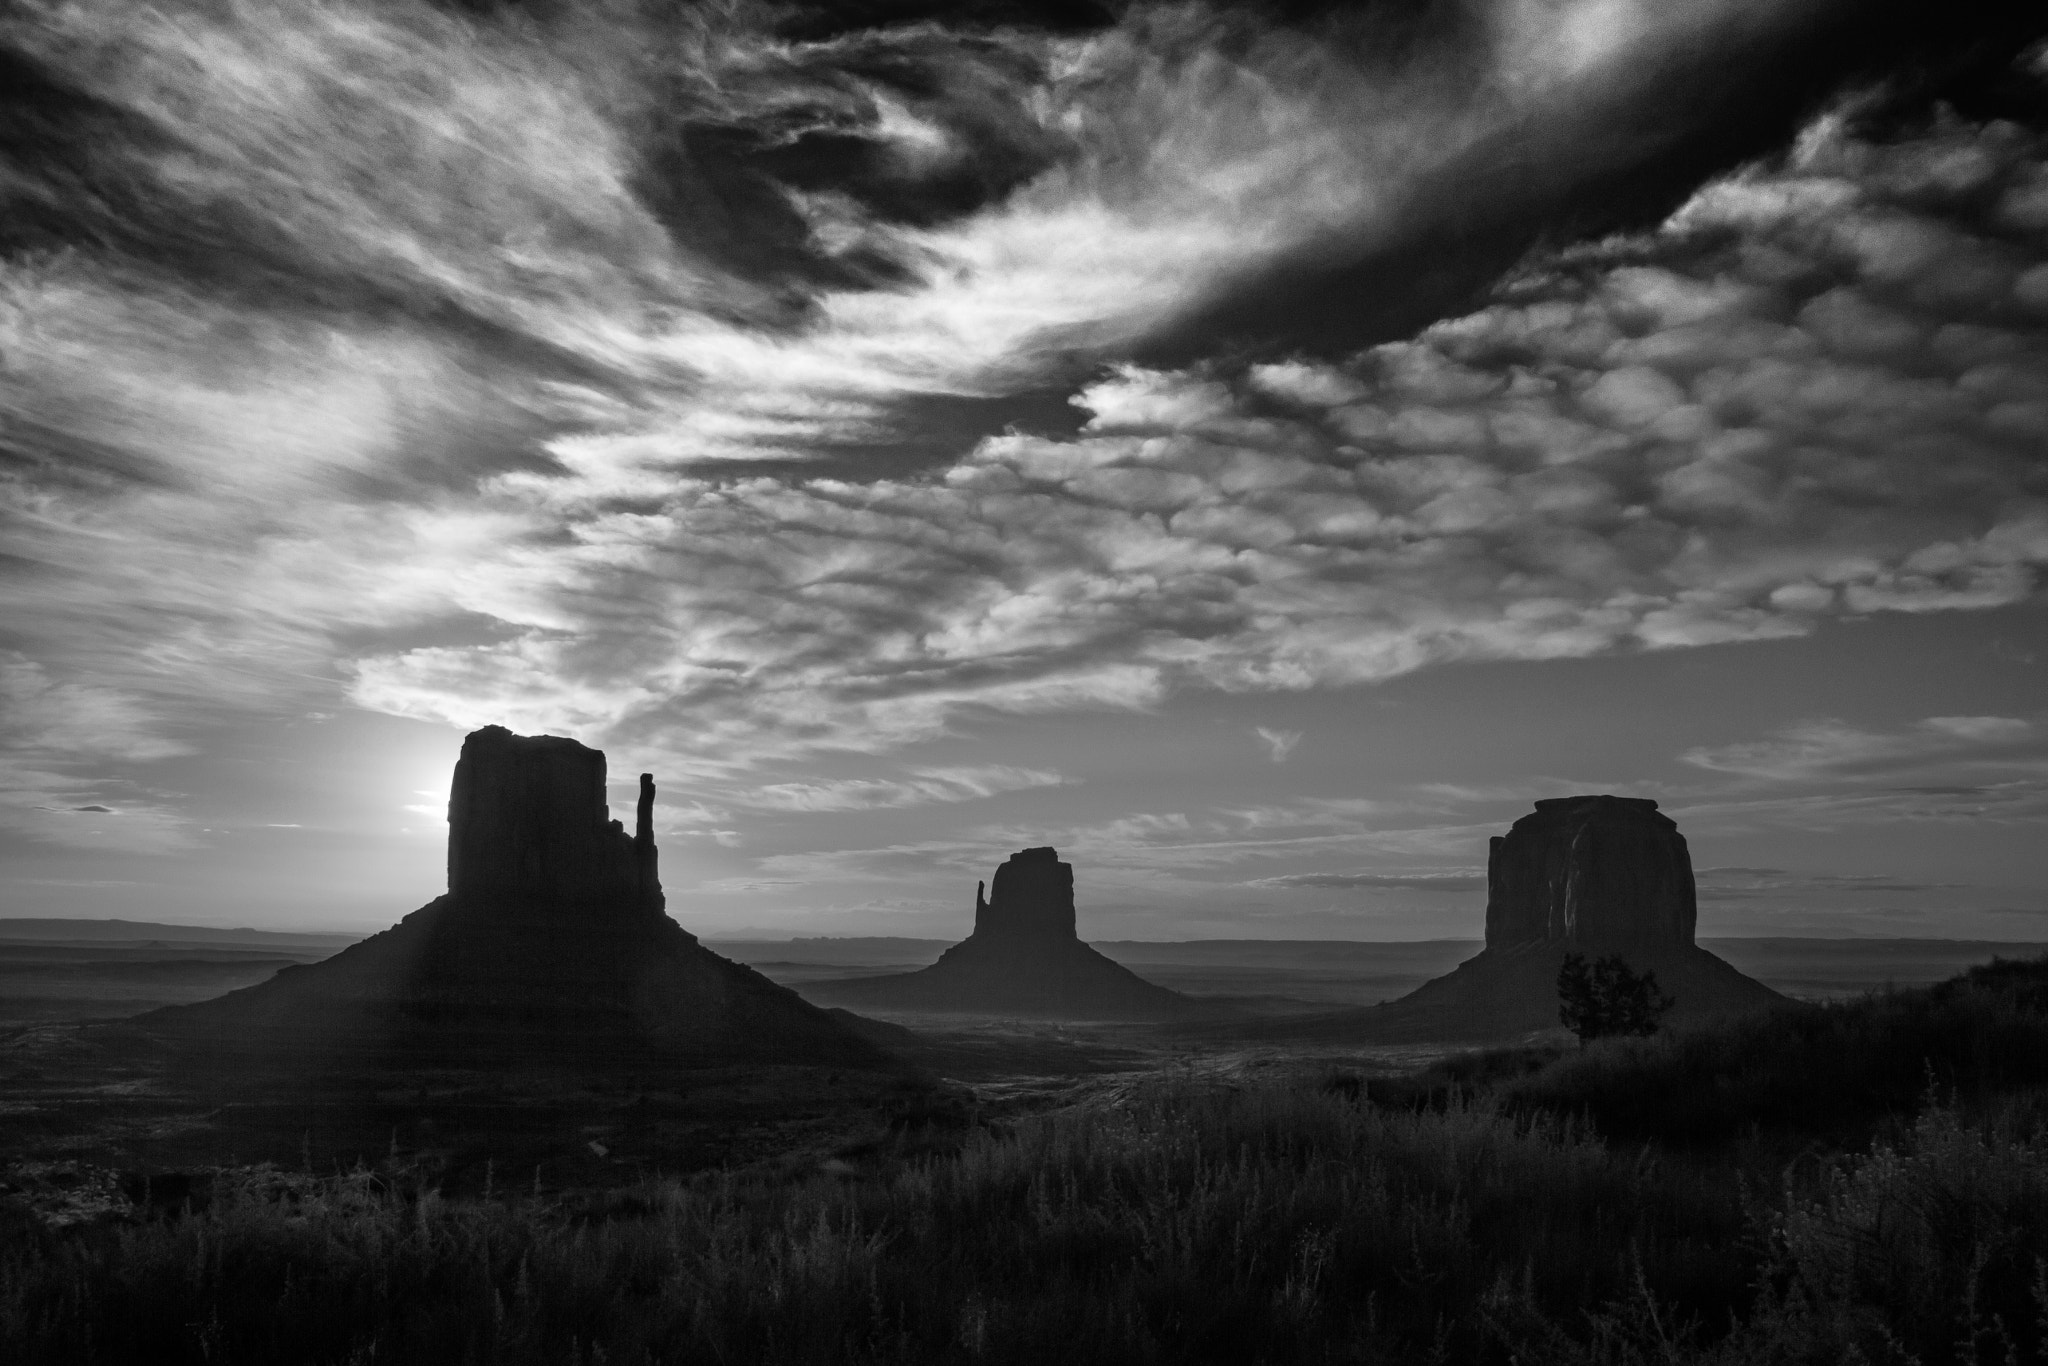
[(1024, 959), (1595, 876), (552, 944)]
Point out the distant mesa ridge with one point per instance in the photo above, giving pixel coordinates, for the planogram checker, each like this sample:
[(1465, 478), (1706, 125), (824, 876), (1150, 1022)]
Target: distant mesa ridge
[(553, 935), (1025, 958), (1593, 875)]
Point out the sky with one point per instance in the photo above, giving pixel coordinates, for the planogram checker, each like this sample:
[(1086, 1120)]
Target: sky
[(1257, 450)]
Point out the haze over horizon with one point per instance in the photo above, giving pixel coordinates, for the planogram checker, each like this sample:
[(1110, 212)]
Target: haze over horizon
[(1257, 451)]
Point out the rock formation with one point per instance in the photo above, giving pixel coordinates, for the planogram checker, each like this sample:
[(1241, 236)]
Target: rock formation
[(1592, 875), (1023, 959), (552, 938), (1590, 870), (529, 834)]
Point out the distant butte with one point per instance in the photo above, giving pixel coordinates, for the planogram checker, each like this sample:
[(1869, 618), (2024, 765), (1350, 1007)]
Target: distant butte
[(1592, 875), (552, 940), (1023, 959)]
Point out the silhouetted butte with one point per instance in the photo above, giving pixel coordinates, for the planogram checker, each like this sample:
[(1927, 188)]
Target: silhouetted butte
[(1592, 875), (1024, 958), (552, 938)]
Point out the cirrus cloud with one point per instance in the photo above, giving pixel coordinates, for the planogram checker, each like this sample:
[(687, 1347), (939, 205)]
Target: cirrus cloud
[(1830, 749), (1402, 882), (921, 787)]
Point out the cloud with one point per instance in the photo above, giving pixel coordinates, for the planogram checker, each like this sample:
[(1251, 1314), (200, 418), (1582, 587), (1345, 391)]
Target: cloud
[(365, 157), (72, 717), (1824, 774), (60, 742), (1778, 884), (1829, 749), (410, 355), (2016, 801), (1407, 882), (693, 239), (1141, 852), (1279, 743), (885, 863), (42, 805), (923, 787), (750, 884), (1656, 441)]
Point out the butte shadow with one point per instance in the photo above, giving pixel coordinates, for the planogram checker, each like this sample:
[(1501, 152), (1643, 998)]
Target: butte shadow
[(1023, 960), (552, 941), (1591, 875)]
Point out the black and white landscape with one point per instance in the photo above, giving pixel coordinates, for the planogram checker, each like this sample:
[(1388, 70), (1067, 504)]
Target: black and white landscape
[(1102, 682)]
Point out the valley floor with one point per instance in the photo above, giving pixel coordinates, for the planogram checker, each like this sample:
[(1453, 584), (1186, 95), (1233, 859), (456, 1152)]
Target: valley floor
[(1174, 1222), (51, 973), (1860, 1181)]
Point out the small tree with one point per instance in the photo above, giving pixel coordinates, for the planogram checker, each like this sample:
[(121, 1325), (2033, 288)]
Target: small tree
[(1607, 998)]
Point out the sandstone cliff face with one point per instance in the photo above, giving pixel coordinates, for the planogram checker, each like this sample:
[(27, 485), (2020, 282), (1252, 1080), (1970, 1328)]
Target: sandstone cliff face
[(1596, 870)]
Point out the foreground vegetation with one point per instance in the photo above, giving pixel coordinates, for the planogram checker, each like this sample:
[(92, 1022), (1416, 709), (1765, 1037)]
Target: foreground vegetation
[(1506, 1209)]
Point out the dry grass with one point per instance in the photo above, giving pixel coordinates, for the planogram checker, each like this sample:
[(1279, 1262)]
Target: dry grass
[(1283, 1221)]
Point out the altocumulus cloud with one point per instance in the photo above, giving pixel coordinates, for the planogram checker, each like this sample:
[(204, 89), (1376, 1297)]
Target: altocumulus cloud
[(375, 326), (1818, 388)]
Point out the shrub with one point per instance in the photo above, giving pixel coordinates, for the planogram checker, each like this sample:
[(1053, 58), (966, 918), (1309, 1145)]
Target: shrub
[(1273, 1222), (1929, 1250), (1827, 1073), (1607, 999)]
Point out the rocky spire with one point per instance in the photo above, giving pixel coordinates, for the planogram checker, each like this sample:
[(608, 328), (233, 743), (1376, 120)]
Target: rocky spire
[(646, 863), (1594, 870)]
